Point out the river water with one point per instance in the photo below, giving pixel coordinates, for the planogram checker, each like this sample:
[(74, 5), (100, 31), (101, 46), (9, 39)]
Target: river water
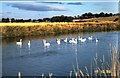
[(57, 59)]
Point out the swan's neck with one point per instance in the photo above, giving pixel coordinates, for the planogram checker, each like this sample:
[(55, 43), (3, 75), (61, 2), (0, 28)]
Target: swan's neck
[(20, 40), (44, 42)]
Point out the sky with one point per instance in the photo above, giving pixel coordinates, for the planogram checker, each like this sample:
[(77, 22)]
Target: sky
[(48, 9)]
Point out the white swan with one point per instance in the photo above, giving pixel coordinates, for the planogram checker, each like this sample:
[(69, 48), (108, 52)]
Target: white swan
[(96, 40), (65, 40), (75, 41), (90, 38), (19, 43), (83, 40), (79, 38), (58, 41), (71, 41), (29, 43), (45, 43)]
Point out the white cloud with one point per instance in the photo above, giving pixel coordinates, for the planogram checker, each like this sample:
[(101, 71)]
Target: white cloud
[(31, 7)]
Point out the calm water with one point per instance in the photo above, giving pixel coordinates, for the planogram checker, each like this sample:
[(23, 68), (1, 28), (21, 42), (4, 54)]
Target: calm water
[(58, 59)]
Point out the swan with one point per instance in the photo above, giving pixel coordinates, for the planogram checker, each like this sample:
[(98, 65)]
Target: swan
[(75, 41), (46, 44), (28, 43), (90, 38), (83, 40), (71, 41), (79, 38), (58, 41), (96, 40), (65, 40), (19, 43)]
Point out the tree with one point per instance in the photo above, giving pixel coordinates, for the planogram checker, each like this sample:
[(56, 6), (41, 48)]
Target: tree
[(12, 20), (106, 14), (110, 14), (101, 14), (40, 20), (5, 19), (90, 15), (84, 16), (62, 18), (96, 15), (46, 19)]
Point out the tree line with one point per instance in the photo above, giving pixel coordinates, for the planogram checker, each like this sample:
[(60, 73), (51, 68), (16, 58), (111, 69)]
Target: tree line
[(61, 18)]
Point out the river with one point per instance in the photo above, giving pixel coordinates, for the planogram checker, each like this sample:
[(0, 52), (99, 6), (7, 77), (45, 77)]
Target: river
[(57, 59)]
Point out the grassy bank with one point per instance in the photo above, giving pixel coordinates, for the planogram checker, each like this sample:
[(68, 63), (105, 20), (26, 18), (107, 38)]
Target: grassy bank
[(46, 29)]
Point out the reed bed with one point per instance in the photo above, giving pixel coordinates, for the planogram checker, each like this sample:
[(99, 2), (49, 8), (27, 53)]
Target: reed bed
[(55, 28), (101, 68)]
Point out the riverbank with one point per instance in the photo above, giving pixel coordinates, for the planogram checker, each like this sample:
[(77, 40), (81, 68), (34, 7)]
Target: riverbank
[(55, 28)]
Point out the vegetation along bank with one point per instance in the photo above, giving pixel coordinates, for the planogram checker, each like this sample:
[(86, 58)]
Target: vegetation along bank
[(55, 28)]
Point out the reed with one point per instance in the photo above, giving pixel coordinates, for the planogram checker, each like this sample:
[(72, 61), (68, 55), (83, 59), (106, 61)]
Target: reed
[(47, 29), (70, 74), (19, 75), (50, 75), (105, 69)]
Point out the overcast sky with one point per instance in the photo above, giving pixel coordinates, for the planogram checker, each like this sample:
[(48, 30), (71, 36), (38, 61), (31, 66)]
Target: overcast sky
[(43, 9)]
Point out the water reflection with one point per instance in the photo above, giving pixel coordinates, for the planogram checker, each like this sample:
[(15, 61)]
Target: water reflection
[(46, 49), (29, 50)]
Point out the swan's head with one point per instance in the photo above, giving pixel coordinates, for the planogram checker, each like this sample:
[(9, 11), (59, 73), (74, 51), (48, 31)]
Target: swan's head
[(44, 40), (20, 40), (29, 41), (58, 39), (75, 39)]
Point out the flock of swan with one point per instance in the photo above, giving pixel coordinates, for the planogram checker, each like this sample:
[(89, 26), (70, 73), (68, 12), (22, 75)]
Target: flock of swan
[(72, 41), (58, 41)]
